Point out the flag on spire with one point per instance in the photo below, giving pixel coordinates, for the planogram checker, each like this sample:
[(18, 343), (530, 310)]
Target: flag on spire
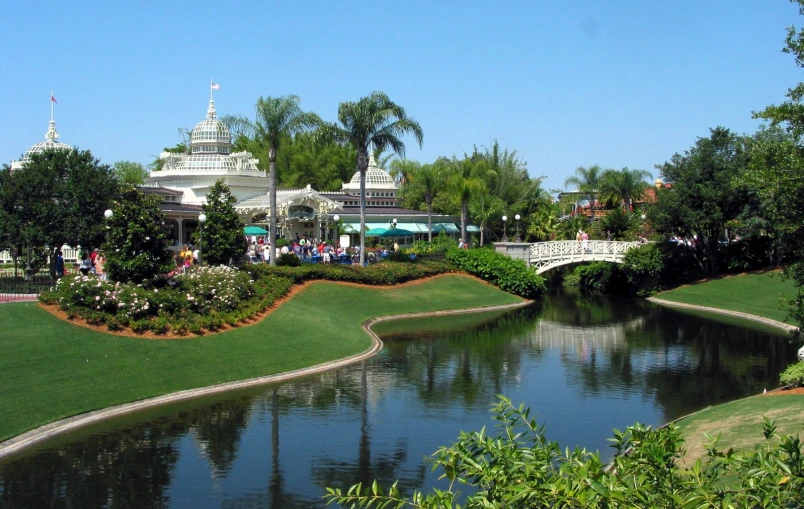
[(53, 98), (215, 86)]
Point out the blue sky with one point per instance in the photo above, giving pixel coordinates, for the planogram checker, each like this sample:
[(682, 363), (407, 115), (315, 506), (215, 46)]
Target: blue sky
[(565, 84)]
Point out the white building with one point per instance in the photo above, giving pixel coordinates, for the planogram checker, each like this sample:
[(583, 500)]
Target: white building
[(51, 142)]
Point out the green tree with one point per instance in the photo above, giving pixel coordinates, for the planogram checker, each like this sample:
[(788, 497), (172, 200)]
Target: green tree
[(223, 230), (587, 181), (373, 122), (485, 208), (703, 197), (542, 224), (466, 179), (129, 173), (428, 180), (276, 119), (136, 244), (623, 186), (57, 198)]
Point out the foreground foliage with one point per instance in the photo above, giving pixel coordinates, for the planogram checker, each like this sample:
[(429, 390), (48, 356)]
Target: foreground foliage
[(519, 467), (510, 275)]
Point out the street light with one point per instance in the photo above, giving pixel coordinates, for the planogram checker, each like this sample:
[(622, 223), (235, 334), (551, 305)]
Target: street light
[(393, 223), (505, 236), (108, 215), (335, 218), (201, 219), (518, 238)]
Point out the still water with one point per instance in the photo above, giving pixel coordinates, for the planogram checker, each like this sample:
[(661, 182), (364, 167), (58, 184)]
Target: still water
[(584, 365)]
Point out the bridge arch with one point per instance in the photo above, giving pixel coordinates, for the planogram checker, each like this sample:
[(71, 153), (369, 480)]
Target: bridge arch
[(544, 256)]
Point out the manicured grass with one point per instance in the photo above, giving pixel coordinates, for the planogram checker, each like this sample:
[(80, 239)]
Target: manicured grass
[(756, 294), (51, 369), (740, 422)]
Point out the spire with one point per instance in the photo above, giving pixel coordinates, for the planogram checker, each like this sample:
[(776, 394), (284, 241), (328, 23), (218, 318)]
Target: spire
[(372, 162), (51, 134), (211, 113)]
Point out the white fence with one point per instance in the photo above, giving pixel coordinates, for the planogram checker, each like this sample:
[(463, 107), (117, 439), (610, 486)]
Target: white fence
[(70, 255), (546, 255)]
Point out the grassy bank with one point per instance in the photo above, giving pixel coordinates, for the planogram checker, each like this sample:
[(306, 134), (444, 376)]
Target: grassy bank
[(740, 422), (51, 369), (756, 294)]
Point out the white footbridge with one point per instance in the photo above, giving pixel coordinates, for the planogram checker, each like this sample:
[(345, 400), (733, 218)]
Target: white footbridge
[(544, 256)]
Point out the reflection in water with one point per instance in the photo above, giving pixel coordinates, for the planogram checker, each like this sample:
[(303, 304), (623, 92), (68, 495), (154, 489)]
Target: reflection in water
[(585, 365)]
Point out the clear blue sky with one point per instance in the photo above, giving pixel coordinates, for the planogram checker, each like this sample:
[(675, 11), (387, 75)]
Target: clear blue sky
[(565, 84)]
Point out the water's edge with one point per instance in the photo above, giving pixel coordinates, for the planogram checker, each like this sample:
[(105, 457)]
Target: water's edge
[(37, 435)]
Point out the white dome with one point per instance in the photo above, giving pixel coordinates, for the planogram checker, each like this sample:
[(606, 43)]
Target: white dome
[(207, 163), (211, 130), (40, 147), (374, 175)]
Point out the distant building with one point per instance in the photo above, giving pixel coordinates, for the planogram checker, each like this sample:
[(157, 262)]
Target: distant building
[(51, 137)]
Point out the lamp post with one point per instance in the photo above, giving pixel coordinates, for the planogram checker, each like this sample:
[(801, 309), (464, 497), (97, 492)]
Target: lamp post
[(336, 218), (108, 215), (505, 236), (202, 218), (393, 223), (517, 238)]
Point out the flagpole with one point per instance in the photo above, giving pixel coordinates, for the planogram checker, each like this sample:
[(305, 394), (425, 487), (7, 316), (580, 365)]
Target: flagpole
[(51, 105), (210, 89)]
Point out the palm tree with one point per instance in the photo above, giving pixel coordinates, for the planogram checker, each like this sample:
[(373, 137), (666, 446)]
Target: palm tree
[(373, 122), (624, 185), (486, 207), (466, 180), (428, 178), (276, 118), (587, 180)]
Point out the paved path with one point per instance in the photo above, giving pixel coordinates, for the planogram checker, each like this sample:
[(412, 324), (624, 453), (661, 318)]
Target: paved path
[(42, 433)]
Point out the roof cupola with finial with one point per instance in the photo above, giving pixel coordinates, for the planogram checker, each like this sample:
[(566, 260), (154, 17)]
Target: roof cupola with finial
[(51, 140)]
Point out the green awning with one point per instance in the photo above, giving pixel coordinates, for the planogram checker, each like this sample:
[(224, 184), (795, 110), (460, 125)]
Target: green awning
[(472, 228), (444, 227)]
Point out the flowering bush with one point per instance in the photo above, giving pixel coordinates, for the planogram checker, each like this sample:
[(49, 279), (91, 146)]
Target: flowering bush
[(203, 298)]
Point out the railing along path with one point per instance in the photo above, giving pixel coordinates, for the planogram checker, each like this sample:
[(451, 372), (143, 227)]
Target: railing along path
[(547, 255)]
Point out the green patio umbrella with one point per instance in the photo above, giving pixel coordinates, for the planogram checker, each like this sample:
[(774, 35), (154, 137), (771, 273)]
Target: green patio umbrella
[(376, 232), (254, 230)]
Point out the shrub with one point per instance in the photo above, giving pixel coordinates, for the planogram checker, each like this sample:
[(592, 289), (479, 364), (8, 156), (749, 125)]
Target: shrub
[(512, 276), (652, 267), (793, 375), (598, 277), (288, 260)]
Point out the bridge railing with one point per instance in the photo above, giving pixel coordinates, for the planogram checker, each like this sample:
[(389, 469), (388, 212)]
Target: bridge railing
[(570, 250)]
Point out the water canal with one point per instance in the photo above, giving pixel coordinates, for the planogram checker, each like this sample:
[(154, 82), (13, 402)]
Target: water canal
[(584, 365)]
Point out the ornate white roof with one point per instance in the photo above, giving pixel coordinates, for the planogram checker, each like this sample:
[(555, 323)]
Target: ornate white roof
[(376, 178), (211, 130), (50, 143), (285, 197), (210, 147)]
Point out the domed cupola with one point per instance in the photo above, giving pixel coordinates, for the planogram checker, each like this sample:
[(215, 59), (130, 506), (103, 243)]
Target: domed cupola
[(210, 136), (50, 143)]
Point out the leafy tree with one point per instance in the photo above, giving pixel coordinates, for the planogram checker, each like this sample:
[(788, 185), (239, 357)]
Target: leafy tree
[(58, 198), (129, 173), (428, 180), (373, 122), (519, 468), (703, 197), (276, 118), (223, 230), (466, 179), (587, 181), (623, 186), (485, 208), (542, 224), (136, 243), (620, 224)]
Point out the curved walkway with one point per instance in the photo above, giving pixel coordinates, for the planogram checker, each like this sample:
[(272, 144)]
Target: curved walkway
[(42, 433), (739, 314)]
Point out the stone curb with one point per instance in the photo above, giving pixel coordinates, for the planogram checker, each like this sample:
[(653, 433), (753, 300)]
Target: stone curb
[(43, 433), (748, 316)]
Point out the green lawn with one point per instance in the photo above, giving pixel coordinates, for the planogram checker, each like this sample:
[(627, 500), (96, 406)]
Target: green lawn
[(756, 294), (51, 369), (740, 422)]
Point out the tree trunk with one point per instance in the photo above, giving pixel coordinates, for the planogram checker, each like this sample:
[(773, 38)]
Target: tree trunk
[(482, 234), (464, 220), (362, 168), (430, 221), (272, 198)]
